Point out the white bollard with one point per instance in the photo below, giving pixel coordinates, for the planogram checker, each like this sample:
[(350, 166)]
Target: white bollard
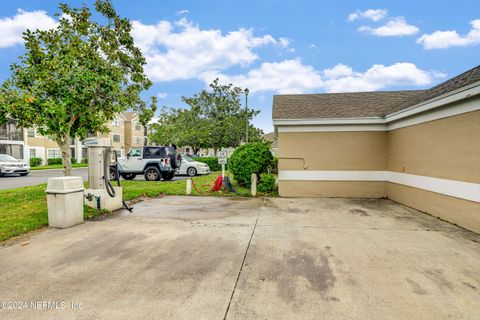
[(254, 184), (189, 186)]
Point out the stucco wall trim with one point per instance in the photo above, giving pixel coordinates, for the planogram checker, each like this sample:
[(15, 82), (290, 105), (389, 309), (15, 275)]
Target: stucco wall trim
[(19, 142), (458, 189), (333, 128)]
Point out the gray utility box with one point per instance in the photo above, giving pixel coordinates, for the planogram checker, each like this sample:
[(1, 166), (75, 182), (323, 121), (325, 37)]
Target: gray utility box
[(65, 201)]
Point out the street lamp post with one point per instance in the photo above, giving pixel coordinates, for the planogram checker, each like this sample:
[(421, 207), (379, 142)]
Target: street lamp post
[(246, 91)]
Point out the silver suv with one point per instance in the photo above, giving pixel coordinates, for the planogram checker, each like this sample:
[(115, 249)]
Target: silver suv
[(153, 162)]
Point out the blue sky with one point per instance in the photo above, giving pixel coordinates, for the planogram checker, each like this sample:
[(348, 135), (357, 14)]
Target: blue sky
[(274, 46)]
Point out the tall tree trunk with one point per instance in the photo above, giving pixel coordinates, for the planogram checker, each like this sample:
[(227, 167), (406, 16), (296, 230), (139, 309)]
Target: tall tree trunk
[(66, 156)]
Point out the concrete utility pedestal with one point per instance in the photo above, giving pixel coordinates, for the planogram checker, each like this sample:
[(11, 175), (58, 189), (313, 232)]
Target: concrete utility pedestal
[(96, 196), (100, 199), (65, 201)]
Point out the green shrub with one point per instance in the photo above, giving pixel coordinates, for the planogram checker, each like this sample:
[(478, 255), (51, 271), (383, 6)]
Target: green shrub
[(35, 162), (54, 161), (267, 182), (84, 160), (251, 158), (275, 165), (211, 161)]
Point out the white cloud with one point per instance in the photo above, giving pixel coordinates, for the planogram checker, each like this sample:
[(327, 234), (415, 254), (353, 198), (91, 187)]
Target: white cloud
[(292, 76), (371, 14), (284, 42), (183, 51), (11, 28), (162, 95), (153, 120), (342, 78), (340, 70), (445, 39), (288, 76), (393, 28), (182, 12)]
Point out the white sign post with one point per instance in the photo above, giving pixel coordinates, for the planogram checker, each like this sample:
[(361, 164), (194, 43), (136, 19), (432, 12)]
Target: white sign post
[(222, 159)]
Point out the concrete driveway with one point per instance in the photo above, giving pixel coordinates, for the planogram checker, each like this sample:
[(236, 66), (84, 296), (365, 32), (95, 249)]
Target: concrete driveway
[(223, 258), (36, 177)]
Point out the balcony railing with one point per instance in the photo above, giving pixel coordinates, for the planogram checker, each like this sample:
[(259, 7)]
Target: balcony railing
[(16, 135)]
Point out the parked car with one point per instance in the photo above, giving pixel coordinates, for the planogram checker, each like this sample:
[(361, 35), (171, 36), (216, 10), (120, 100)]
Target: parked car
[(192, 168), (10, 165), (153, 162)]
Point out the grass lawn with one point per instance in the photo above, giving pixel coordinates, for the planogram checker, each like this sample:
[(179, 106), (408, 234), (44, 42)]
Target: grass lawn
[(25, 209), (59, 166), (134, 189)]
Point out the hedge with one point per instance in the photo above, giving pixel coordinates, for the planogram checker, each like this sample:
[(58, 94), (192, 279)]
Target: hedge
[(35, 162), (251, 158), (267, 182), (54, 161), (211, 161)]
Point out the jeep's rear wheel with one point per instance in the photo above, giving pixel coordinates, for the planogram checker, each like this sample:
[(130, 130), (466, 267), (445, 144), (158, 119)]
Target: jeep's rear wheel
[(113, 174), (152, 174), (129, 176), (168, 175)]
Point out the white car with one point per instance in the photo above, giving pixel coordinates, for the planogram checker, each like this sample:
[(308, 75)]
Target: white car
[(191, 167), (10, 165)]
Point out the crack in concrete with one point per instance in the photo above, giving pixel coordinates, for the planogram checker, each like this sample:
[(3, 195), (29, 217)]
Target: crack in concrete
[(243, 261)]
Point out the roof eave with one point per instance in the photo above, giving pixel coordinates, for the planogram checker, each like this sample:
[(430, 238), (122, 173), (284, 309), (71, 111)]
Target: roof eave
[(459, 94)]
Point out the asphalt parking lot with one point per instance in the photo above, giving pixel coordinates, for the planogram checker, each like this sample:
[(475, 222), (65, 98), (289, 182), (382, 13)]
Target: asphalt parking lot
[(36, 177), (248, 258)]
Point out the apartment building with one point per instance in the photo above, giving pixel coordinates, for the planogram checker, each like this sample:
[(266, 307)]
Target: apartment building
[(12, 140), (135, 133), (125, 132)]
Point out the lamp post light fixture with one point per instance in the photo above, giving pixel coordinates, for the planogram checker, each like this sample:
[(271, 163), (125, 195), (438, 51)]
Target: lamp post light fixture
[(246, 91)]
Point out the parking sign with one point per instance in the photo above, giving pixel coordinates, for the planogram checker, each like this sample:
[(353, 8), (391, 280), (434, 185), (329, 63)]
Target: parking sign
[(222, 157)]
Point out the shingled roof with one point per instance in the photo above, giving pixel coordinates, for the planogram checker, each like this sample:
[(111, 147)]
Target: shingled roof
[(464, 79), (362, 104), (339, 105)]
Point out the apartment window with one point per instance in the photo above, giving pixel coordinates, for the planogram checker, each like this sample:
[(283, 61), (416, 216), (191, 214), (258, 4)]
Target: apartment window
[(31, 132), (116, 123), (138, 126), (14, 150), (10, 131), (33, 153), (138, 140), (53, 153), (116, 138)]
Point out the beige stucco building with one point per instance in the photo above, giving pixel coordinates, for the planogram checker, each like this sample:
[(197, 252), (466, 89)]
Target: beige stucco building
[(419, 148), (125, 132), (134, 131)]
